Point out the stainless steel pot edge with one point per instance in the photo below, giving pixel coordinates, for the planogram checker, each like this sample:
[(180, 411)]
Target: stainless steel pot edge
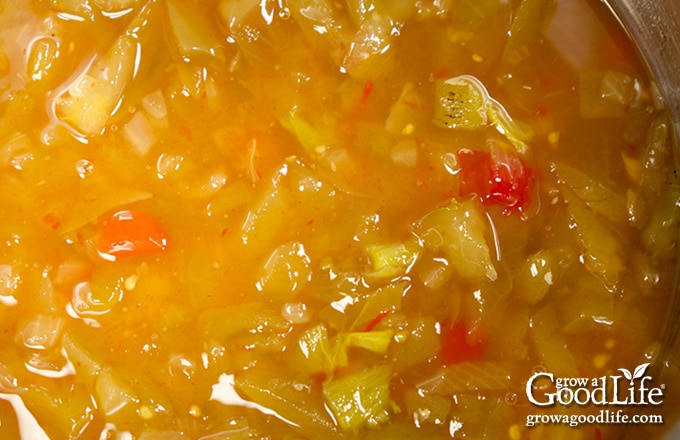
[(654, 26)]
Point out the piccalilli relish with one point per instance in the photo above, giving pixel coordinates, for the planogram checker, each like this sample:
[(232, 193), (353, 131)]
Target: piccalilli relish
[(235, 219)]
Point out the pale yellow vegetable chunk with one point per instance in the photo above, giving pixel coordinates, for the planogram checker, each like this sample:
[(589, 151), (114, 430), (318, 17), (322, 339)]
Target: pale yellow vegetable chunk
[(459, 230)]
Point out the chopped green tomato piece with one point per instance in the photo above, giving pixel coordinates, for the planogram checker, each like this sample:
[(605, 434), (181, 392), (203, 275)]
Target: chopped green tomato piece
[(295, 402), (250, 318), (361, 398), (601, 247), (406, 114), (111, 393), (527, 28), (660, 236), (235, 12), (592, 308), (384, 301), (376, 341), (469, 376), (461, 102), (392, 260), (599, 197), (541, 271), (556, 356), (506, 126), (315, 348), (656, 171), (92, 98), (307, 135), (193, 31), (427, 407), (74, 404), (417, 341), (322, 26), (459, 231), (318, 354)]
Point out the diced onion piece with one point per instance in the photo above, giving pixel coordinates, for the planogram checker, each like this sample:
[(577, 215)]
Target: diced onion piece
[(17, 146), (77, 8), (322, 26), (154, 104), (139, 133), (369, 51), (115, 5), (71, 271), (251, 318), (405, 153), (85, 364), (9, 281), (111, 393), (42, 332), (372, 309), (296, 313), (8, 382), (286, 271), (42, 57), (234, 12)]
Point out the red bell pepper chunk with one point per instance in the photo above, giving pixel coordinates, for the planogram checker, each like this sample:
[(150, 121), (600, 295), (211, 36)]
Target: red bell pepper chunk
[(496, 177), (130, 233), (456, 346)]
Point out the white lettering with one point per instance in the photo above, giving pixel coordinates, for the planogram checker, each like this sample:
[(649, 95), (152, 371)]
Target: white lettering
[(530, 389)]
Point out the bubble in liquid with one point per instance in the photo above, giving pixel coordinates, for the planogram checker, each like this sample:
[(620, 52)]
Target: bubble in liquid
[(284, 13), (84, 168)]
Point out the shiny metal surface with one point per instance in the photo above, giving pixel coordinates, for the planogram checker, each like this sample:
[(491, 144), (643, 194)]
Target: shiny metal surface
[(654, 26)]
